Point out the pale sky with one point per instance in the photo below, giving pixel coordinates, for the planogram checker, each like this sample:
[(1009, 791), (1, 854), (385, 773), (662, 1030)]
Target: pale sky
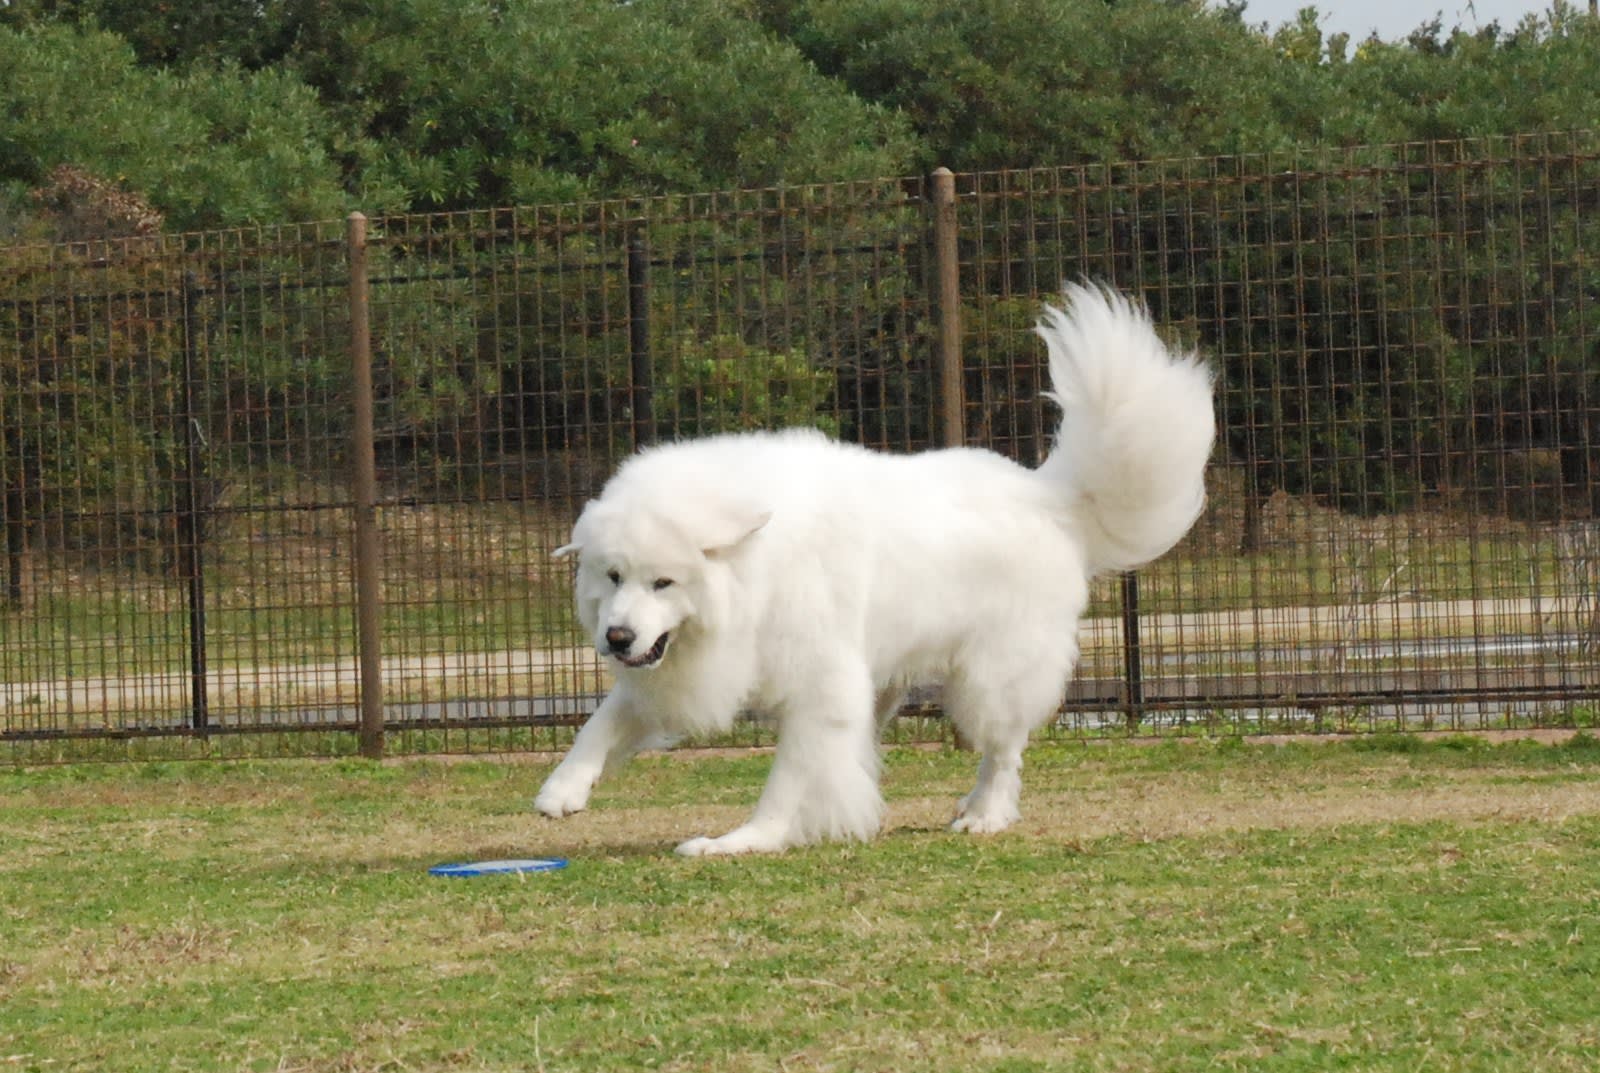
[(1394, 19)]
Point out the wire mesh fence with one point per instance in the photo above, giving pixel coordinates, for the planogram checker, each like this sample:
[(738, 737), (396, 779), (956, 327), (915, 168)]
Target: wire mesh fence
[(1404, 527)]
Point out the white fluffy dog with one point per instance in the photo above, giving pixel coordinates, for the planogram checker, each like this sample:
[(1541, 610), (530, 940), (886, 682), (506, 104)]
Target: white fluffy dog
[(815, 582)]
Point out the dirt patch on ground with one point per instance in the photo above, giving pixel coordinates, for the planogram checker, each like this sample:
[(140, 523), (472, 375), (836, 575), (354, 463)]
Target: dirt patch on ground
[(1158, 811), (692, 752), (1068, 798), (1079, 804)]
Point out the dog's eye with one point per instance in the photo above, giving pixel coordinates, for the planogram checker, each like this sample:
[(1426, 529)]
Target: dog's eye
[(614, 577), (661, 583)]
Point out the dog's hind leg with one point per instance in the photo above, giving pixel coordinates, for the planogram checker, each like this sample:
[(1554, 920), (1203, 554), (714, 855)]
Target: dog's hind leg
[(993, 803), (824, 779), (613, 734), (997, 716)]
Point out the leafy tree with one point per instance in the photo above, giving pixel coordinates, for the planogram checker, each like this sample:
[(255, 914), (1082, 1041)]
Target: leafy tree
[(529, 101), (81, 382), (168, 34), (209, 148), (1050, 82), (523, 101), (1538, 76), (724, 384)]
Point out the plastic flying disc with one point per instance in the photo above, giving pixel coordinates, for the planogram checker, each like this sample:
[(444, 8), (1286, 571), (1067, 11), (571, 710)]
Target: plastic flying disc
[(492, 868)]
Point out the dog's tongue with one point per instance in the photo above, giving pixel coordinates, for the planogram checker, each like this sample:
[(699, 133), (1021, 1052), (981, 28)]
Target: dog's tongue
[(651, 657)]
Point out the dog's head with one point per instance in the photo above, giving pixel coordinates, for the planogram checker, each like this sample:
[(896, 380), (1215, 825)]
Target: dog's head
[(642, 575)]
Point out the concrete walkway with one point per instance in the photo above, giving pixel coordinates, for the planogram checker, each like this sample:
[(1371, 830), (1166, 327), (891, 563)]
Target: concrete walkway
[(1243, 636)]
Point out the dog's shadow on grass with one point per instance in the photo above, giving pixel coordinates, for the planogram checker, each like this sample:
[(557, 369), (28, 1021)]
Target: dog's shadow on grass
[(621, 847), (619, 836), (918, 829)]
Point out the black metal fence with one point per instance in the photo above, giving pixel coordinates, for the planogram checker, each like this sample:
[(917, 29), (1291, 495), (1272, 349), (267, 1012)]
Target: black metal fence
[(1404, 528)]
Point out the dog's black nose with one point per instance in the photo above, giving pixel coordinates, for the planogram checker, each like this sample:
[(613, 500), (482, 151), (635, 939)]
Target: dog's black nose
[(620, 638)]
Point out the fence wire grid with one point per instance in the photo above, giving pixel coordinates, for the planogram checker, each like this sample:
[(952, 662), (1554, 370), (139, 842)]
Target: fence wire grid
[(1404, 518)]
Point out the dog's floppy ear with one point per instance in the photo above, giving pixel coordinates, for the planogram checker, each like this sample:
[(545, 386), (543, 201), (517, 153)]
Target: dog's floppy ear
[(575, 545), (726, 528)]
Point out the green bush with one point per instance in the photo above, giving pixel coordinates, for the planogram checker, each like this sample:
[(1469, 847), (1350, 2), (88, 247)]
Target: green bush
[(724, 384)]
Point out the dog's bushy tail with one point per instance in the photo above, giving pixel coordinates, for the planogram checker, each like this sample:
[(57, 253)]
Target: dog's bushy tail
[(1136, 427)]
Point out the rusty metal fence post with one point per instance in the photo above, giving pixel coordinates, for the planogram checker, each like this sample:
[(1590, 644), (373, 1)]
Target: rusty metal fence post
[(365, 490), (190, 528), (1132, 651), (947, 381), (643, 391)]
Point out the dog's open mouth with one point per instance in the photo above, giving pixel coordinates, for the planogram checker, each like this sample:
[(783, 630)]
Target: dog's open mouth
[(650, 658)]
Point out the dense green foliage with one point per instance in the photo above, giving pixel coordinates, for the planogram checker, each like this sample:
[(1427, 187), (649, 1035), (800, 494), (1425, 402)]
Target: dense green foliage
[(208, 145), (427, 104), (1390, 330), (236, 112)]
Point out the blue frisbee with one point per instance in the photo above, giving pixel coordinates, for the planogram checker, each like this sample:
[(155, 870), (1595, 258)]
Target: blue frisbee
[(495, 868)]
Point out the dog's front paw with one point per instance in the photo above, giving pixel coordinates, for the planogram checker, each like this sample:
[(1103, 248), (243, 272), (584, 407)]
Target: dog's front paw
[(746, 839), (561, 797), (984, 822), (700, 847)]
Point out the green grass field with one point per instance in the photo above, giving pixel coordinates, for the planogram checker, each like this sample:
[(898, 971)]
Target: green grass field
[(1383, 904)]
